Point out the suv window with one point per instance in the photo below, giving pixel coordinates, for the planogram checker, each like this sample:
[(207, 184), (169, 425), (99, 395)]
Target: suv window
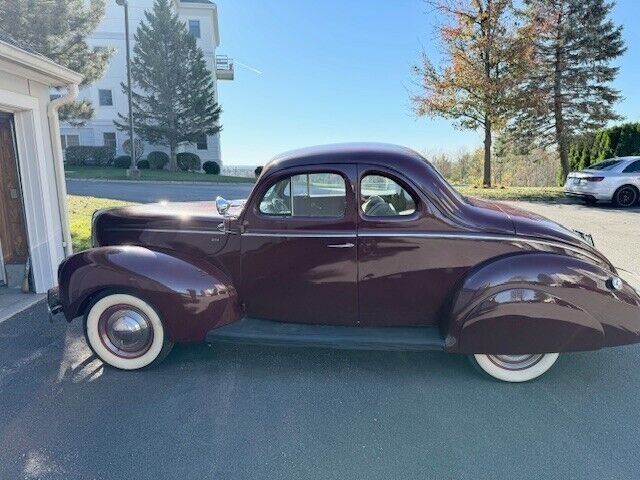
[(307, 195), (382, 197), (633, 167)]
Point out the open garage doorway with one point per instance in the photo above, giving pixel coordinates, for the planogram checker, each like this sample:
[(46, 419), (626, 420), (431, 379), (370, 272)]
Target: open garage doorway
[(13, 233)]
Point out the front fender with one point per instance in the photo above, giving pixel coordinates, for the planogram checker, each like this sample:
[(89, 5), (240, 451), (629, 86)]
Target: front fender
[(192, 296), (539, 303)]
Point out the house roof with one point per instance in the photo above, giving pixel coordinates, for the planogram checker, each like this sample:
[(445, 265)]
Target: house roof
[(30, 63)]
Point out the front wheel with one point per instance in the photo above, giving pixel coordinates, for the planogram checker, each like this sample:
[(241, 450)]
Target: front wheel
[(125, 332), (514, 368)]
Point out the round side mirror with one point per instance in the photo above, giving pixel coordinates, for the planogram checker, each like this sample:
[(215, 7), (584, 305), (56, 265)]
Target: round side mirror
[(222, 205)]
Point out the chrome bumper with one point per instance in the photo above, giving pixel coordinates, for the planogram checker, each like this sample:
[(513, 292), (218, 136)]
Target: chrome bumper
[(53, 303)]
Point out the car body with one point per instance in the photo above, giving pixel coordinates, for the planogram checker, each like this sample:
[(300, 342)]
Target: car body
[(351, 245), (614, 180)]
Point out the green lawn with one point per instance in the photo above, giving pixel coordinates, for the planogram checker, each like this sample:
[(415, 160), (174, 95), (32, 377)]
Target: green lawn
[(514, 193), (80, 211), (110, 173)]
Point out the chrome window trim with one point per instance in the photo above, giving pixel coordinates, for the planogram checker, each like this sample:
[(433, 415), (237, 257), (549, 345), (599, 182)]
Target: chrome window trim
[(164, 230)]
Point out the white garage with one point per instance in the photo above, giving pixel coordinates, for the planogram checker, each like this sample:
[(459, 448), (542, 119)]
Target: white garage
[(34, 231)]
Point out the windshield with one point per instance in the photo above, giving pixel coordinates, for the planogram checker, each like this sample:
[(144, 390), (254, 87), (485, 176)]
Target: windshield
[(606, 165)]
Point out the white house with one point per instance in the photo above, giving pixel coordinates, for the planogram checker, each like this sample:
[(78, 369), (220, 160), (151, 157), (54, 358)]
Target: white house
[(201, 17), (33, 212)]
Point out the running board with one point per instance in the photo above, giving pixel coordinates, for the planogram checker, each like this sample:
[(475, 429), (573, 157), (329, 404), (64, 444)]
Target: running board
[(266, 332)]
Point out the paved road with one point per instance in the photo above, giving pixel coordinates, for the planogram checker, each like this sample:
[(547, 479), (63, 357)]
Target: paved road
[(148, 192), (234, 412)]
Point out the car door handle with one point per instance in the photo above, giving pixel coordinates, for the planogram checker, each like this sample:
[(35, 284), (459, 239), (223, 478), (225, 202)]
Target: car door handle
[(341, 245)]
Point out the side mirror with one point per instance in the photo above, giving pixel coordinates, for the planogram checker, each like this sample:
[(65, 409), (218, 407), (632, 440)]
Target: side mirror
[(222, 205)]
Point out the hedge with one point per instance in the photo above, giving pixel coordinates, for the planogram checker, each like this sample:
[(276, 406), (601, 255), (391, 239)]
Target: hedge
[(617, 141), (89, 155), (211, 168), (123, 161), (188, 162), (157, 160), (143, 164)]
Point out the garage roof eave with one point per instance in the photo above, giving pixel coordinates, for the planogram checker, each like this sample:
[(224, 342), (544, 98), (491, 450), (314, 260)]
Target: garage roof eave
[(55, 75)]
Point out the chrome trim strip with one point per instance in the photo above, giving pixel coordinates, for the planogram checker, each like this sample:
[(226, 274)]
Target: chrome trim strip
[(301, 235), (165, 230)]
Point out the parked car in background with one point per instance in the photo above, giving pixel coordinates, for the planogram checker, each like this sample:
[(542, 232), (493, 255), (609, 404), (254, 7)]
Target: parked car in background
[(614, 180), (351, 246)]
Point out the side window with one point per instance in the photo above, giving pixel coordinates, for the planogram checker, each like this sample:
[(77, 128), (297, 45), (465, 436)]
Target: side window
[(308, 195), (633, 167), (382, 197)]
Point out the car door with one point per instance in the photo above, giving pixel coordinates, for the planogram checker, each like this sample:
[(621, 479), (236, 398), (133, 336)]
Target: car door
[(299, 255), (405, 274)]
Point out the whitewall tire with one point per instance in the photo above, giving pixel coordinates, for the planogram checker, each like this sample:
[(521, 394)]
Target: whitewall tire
[(514, 368), (125, 332)]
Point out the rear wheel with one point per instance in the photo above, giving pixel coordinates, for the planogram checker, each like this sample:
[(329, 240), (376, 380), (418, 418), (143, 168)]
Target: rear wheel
[(514, 368), (125, 332), (625, 196)]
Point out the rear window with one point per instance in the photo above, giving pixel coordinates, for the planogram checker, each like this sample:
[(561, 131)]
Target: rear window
[(606, 165)]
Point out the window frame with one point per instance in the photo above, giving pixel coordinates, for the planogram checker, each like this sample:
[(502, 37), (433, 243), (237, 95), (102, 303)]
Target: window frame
[(269, 184), (64, 140), (194, 22), (100, 90), (199, 144), (115, 139), (405, 185)]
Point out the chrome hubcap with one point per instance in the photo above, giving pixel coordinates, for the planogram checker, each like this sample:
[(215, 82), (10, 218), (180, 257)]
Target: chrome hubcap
[(125, 331), (516, 362)]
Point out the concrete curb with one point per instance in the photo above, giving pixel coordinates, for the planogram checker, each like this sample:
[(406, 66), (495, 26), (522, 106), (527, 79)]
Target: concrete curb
[(155, 182), (20, 305)]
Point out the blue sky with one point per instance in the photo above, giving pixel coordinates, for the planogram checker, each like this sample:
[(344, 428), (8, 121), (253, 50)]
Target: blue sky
[(338, 71)]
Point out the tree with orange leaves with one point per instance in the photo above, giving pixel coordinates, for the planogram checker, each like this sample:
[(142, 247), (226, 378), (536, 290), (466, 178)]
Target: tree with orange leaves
[(486, 57)]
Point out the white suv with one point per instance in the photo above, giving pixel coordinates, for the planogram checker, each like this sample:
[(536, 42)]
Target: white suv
[(614, 180)]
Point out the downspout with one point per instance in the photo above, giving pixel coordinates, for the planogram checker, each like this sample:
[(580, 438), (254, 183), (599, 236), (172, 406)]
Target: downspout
[(58, 162)]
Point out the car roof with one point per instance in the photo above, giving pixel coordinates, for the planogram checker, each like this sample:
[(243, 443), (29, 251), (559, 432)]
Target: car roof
[(384, 154), (629, 158)]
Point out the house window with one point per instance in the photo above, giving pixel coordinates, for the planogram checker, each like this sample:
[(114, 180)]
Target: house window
[(69, 140), (109, 139), (202, 143), (105, 98), (194, 28)]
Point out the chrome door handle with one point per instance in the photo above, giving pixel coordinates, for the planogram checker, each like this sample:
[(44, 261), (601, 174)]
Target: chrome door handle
[(341, 245)]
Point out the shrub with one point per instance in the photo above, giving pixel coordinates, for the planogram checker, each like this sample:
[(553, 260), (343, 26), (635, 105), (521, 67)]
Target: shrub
[(143, 164), (211, 168), (258, 170), (188, 162), (157, 160), (123, 161), (89, 155)]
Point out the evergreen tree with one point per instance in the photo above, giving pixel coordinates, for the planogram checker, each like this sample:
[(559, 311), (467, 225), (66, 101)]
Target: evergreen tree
[(58, 29), (486, 57), (173, 91), (569, 92)]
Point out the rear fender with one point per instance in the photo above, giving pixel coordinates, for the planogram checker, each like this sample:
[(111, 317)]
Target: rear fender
[(539, 303), (191, 296)]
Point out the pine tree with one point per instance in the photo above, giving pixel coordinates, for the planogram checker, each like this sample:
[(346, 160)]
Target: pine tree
[(173, 91), (569, 92), (486, 57), (58, 29)]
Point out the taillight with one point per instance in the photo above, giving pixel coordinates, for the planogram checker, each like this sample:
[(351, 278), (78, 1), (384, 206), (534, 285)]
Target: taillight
[(594, 179)]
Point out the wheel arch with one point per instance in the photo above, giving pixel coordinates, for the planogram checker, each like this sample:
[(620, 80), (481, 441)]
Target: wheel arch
[(191, 296), (538, 303)]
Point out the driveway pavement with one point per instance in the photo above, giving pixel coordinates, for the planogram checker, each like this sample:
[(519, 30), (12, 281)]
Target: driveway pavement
[(238, 412)]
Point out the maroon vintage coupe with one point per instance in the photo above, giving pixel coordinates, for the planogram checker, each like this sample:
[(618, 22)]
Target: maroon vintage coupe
[(354, 246)]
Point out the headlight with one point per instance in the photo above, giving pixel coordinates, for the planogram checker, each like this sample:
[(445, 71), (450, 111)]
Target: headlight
[(94, 232)]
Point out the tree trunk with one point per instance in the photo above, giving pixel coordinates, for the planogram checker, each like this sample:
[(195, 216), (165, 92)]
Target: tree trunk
[(561, 134), (173, 158), (486, 180)]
